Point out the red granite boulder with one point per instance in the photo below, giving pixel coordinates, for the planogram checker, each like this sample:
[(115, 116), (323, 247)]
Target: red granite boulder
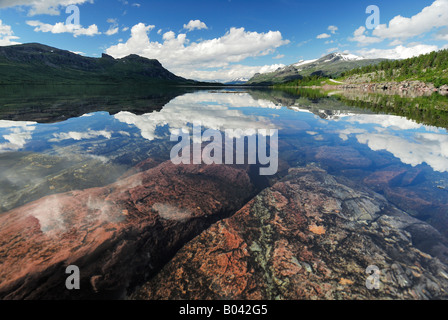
[(117, 235)]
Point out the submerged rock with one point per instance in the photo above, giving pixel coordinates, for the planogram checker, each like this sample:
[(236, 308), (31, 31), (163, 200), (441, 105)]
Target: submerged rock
[(309, 236), (342, 158), (117, 235)]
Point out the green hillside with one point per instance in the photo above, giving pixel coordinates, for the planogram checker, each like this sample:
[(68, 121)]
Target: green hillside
[(428, 68), (39, 64)]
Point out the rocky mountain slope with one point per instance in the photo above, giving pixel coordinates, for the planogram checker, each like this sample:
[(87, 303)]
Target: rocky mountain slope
[(331, 65)]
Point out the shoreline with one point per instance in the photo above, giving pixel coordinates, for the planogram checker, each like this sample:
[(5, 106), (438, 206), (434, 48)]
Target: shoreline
[(401, 88)]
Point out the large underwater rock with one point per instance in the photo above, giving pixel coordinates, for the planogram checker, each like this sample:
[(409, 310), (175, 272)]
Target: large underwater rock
[(118, 235), (310, 236)]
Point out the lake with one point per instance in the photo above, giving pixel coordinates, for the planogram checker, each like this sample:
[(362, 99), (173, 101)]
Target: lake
[(68, 140)]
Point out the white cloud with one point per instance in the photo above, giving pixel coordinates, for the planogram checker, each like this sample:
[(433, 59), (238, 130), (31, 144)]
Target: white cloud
[(385, 121), (399, 52), (323, 36), (363, 40), (184, 58), (279, 56), (78, 136), (333, 29), (426, 148), (230, 73), (170, 35), (402, 28), (64, 28), (17, 134), (442, 34), (212, 111), (396, 42), (50, 7), (7, 35), (111, 31), (433, 16), (195, 25), (413, 148)]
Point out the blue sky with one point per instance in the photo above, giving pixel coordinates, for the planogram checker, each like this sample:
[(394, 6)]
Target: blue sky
[(226, 39)]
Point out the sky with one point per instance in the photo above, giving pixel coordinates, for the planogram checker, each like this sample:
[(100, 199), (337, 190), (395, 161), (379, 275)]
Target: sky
[(227, 39)]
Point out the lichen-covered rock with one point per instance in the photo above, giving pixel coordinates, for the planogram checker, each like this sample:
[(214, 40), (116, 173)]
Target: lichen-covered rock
[(117, 235), (309, 236)]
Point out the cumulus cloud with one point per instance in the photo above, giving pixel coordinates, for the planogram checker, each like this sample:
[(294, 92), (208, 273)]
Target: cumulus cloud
[(231, 72), (442, 34), (7, 35), (362, 39), (427, 148), (183, 57), (113, 29), (50, 7), (396, 42), (399, 52), (423, 144), (202, 107), (385, 121), (323, 36), (78, 136), (433, 16), (16, 133), (195, 25), (333, 29), (64, 28), (400, 28)]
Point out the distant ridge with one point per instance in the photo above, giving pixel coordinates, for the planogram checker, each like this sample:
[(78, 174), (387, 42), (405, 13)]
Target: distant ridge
[(331, 65), (241, 80), (35, 63)]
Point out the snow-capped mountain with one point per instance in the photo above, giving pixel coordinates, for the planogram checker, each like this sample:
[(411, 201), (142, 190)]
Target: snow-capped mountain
[(303, 62), (342, 56), (331, 65), (240, 80)]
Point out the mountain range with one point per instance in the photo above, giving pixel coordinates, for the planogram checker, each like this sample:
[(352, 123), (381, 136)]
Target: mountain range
[(332, 65), (35, 63), (241, 80)]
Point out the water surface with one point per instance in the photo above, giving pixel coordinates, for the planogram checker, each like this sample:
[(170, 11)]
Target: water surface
[(77, 141)]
